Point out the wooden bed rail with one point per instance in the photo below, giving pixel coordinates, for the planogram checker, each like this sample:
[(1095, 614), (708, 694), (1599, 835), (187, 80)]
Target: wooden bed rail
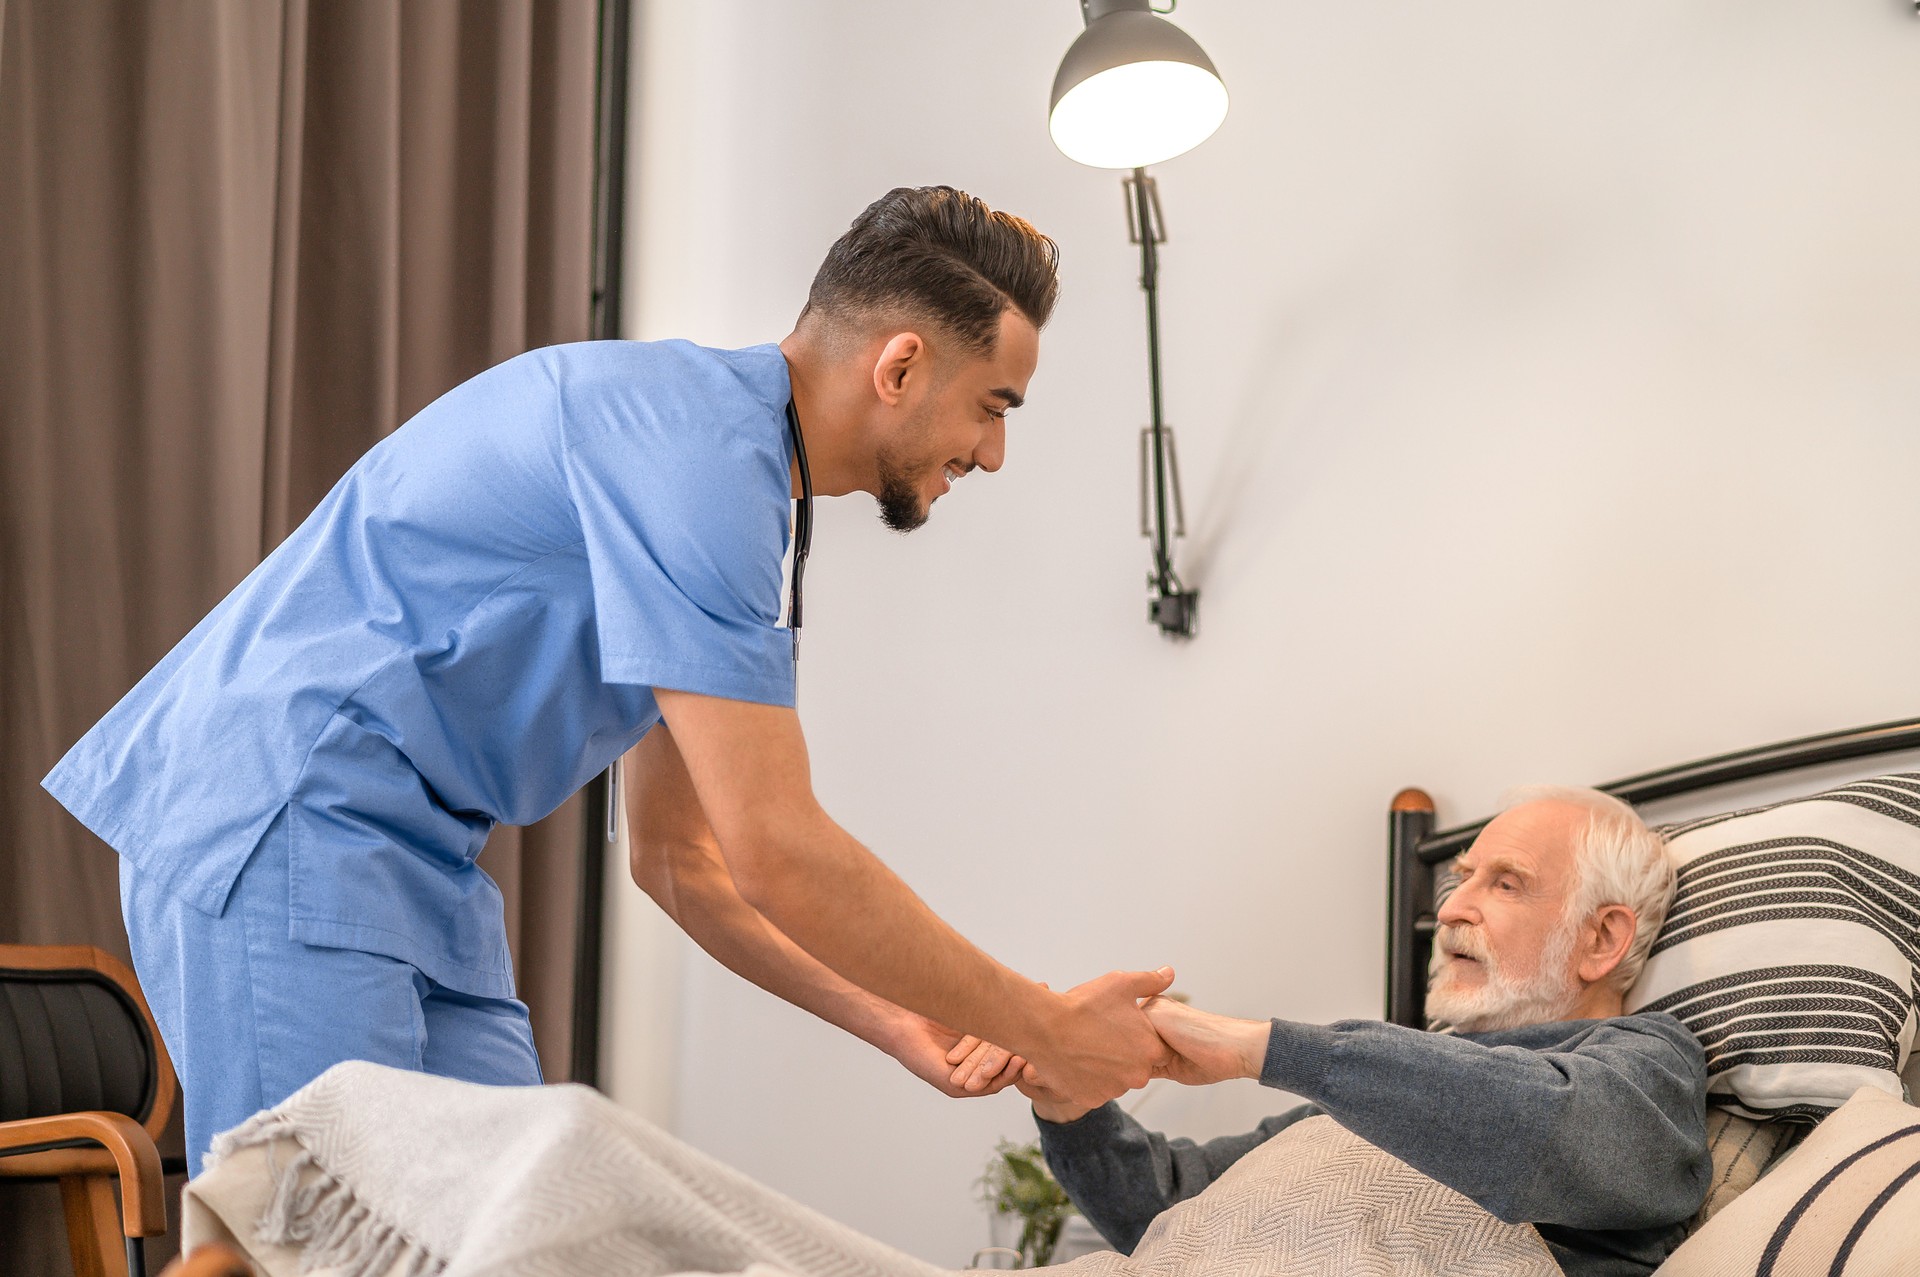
[(1409, 896)]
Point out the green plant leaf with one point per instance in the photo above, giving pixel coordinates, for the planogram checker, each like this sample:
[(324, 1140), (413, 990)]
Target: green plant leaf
[(1017, 1182)]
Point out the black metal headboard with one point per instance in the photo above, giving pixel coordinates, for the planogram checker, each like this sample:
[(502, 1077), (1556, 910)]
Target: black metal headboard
[(1414, 848)]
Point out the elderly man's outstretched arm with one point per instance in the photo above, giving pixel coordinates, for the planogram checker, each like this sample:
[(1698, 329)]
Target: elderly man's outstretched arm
[(1583, 1125)]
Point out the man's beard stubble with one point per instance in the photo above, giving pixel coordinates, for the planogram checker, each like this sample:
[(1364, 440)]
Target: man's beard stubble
[(899, 500), (901, 506), (1502, 1002)]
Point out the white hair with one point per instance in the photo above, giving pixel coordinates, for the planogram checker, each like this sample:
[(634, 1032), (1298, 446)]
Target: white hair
[(1620, 862)]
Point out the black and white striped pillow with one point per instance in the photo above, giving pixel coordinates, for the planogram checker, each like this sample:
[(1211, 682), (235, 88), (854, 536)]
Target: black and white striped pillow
[(1792, 950)]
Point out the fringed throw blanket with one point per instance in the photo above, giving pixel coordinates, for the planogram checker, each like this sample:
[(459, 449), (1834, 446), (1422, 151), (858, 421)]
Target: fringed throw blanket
[(375, 1172)]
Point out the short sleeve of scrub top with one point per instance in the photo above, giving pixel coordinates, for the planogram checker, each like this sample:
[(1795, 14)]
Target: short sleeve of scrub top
[(686, 578)]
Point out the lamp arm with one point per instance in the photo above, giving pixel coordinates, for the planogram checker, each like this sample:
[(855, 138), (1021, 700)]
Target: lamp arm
[(1147, 230), (1174, 606)]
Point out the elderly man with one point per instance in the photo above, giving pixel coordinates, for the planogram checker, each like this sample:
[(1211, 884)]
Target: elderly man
[(1544, 1104)]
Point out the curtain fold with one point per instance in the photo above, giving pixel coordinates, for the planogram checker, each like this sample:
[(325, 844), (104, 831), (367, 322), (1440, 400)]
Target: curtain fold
[(240, 242)]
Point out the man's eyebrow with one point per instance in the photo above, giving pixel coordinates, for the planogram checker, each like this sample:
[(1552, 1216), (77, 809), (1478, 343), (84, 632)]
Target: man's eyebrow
[(1011, 396), (1493, 864)]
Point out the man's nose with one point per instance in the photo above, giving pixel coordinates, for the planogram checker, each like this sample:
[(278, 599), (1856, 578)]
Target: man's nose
[(1458, 908), (993, 448)]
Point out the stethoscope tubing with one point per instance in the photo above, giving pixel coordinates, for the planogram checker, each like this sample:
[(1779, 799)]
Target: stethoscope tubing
[(802, 527)]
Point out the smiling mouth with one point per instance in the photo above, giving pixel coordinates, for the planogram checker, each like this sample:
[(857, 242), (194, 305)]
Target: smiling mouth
[(949, 475)]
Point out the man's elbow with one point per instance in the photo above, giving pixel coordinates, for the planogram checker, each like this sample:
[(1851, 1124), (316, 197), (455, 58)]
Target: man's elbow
[(1628, 1188), (1676, 1187), (650, 865), (777, 854), (762, 874)]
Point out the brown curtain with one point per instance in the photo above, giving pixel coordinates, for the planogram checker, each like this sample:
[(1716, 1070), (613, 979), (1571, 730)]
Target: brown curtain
[(240, 241)]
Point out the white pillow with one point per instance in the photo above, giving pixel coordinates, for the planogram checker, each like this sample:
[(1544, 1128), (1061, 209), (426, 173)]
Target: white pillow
[(1792, 946)]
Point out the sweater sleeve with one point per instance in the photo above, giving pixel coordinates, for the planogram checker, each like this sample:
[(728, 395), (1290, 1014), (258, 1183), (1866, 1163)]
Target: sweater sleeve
[(1121, 1175), (1607, 1132)]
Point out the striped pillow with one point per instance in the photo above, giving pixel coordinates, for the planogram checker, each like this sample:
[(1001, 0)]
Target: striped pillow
[(1742, 1151), (1792, 950), (1846, 1200)]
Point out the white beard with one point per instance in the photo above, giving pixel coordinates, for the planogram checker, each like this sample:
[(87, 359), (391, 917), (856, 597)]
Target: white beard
[(1501, 1001)]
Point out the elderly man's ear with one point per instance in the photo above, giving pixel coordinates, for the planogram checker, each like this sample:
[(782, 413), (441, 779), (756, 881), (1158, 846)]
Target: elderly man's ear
[(1604, 942)]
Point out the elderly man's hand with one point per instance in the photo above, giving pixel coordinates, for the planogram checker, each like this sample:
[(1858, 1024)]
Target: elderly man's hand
[(1048, 1104), (1206, 1047)]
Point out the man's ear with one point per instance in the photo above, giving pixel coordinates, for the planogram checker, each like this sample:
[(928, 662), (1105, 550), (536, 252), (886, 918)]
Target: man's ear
[(903, 358), (1605, 939)]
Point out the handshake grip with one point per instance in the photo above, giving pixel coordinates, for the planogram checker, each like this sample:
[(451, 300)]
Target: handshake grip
[(1107, 1037), (1098, 1045), (1193, 1047)]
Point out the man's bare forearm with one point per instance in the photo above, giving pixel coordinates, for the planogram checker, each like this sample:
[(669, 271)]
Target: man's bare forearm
[(676, 860), (691, 883), (817, 885), (747, 765), (836, 900)]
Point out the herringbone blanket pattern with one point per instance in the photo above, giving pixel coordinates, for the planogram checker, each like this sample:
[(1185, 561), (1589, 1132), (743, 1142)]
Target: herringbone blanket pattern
[(376, 1172)]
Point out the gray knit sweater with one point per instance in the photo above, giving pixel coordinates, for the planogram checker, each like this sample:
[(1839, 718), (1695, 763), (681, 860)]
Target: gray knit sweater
[(1594, 1131)]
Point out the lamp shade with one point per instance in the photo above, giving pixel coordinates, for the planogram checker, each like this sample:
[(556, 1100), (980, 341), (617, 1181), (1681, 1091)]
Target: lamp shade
[(1133, 90)]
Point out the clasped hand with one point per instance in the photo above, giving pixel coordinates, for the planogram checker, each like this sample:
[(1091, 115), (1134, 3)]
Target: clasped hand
[(1191, 1046)]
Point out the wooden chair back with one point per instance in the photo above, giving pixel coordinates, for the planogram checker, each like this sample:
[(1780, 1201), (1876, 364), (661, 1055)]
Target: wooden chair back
[(85, 1089)]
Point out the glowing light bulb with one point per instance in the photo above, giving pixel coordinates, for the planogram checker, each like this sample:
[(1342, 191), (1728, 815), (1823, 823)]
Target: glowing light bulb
[(1138, 113)]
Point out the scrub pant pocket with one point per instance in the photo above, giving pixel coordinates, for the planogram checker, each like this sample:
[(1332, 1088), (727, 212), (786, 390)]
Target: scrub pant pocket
[(251, 1016)]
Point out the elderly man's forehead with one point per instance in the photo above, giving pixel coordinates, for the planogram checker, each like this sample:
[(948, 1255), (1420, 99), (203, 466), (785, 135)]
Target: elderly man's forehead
[(1536, 836)]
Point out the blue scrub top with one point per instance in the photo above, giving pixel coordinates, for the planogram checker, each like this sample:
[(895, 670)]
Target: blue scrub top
[(465, 631)]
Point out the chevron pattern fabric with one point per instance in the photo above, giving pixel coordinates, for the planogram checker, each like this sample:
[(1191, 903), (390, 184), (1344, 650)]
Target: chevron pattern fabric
[(1319, 1201), (375, 1172), (1792, 950)]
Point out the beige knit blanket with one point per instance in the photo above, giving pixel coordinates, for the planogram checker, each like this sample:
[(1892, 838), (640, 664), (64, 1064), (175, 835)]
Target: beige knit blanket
[(376, 1172)]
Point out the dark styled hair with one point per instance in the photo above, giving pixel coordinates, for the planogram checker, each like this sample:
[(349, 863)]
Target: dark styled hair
[(936, 253)]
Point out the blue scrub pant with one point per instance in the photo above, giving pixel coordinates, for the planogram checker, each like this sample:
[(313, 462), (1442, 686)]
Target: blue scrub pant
[(250, 1016)]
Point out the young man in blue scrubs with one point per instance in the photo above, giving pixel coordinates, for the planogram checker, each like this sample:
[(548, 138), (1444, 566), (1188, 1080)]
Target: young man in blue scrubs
[(574, 556)]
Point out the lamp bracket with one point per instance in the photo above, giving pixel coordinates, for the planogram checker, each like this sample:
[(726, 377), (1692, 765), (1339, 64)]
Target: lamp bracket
[(1094, 10), (1177, 613), (1130, 186)]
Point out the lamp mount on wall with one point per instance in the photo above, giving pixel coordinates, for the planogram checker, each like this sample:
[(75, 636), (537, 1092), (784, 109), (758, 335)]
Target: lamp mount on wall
[(1134, 90)]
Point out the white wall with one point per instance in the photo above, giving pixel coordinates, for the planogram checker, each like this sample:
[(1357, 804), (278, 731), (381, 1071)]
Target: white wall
[(1546, 385)]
